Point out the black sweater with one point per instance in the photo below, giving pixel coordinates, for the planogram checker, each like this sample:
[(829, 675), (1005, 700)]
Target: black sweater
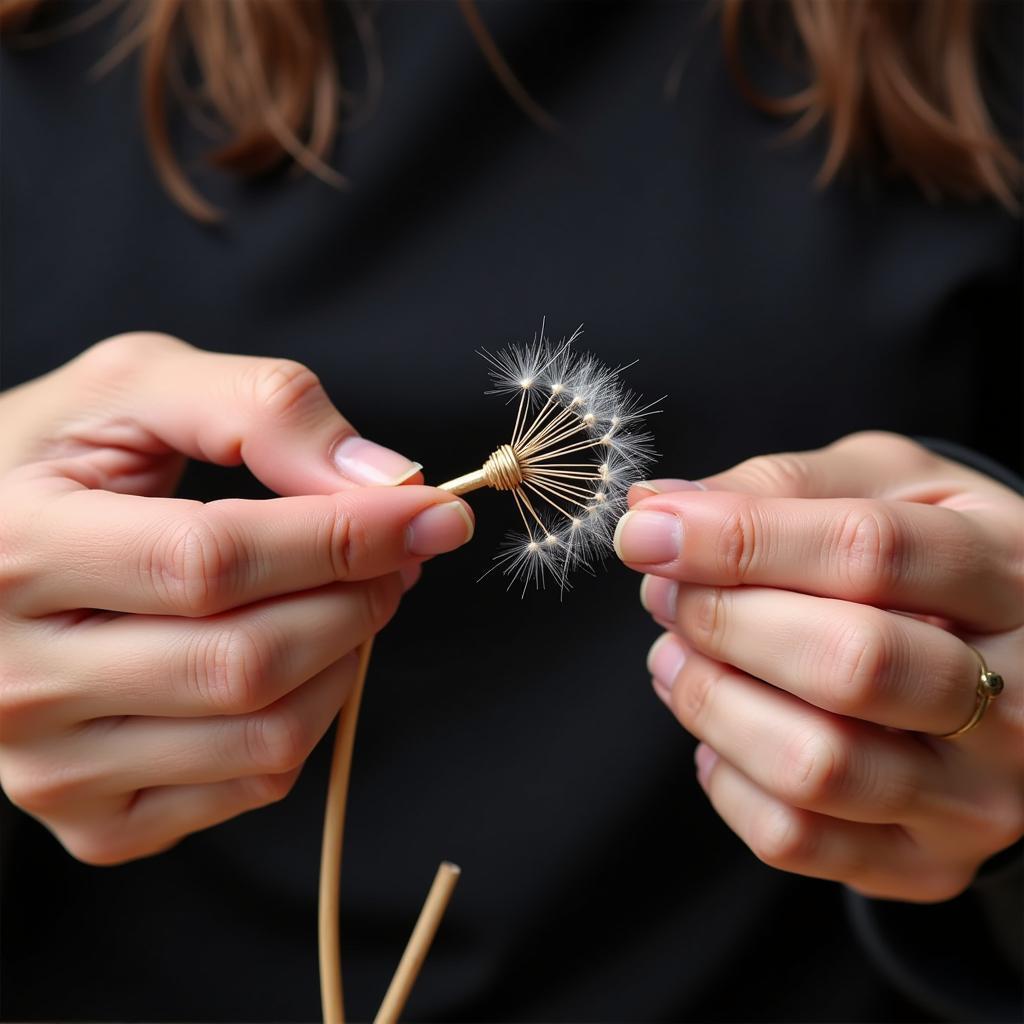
[(519, 738)]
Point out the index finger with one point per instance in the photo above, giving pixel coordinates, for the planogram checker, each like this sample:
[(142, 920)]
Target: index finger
[(97, 549), (899, 555)]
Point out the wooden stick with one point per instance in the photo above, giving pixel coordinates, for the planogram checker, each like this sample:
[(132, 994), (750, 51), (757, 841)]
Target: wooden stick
[(419, 943), (331, 997)]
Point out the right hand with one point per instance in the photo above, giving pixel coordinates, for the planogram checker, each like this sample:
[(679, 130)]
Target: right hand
[(167, 664)]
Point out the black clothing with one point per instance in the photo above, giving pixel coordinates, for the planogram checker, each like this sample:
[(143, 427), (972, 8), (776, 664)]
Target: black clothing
[(598, 883)]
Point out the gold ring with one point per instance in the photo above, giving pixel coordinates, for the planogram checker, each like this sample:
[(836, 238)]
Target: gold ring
[(989, 686)]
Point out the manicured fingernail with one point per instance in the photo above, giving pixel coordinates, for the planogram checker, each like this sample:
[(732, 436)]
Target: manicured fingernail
[(665, 658), (666, 486), (410, 577), (659, 596), (705, 759), (365, 462), (439, 528), (648, 537)]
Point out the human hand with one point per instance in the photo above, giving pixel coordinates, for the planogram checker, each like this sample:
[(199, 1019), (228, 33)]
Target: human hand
[(167, 664), (819, 607)]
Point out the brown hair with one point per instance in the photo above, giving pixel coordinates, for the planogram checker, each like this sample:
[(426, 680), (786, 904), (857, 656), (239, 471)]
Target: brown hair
[(897, 80)]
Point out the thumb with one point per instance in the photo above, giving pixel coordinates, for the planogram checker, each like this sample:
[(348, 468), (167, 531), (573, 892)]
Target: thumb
[(273, 415)]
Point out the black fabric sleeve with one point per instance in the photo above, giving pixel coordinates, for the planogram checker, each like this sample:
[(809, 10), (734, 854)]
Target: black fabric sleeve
[(962, 960)]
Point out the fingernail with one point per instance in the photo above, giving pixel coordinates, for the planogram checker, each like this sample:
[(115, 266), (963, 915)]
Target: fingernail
[(665, 658), (410, 577), (705, 759), (365, 462), (439, 528), (648, 537), (667, 485), (659, 596)]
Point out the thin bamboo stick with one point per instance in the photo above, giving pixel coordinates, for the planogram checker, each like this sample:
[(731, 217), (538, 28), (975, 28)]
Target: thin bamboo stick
[(419, 943), (331, 995)]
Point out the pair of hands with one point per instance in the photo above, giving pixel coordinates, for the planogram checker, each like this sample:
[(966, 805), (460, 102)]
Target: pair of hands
[(167, 664)]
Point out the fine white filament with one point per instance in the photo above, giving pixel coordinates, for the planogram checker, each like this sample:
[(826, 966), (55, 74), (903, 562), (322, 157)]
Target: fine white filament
[(580, 442)]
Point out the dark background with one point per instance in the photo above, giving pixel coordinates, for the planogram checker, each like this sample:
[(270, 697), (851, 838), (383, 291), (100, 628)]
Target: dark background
[(519, 738)]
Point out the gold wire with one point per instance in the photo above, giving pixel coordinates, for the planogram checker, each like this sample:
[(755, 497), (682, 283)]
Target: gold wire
[(519, 414), (559, 432), (556, 479), (566, 465), (540, 494), (533, 512), (548, 456), (555, 471), (563, 492), (519, 505), (537, 421), (532, 442)]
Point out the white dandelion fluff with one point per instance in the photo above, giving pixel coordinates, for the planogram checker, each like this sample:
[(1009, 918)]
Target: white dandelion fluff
[(578, 443)]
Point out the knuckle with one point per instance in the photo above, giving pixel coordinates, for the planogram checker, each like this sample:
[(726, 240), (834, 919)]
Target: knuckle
[(858, 655), (896, 795), (14, 572), (192, 564), (892, 447), (692, 696), (124, 355), (348, 541), (705, 619), (813, 769), (868, 551), (786, 474), (282, 387), (36, 789), (739, 541), (782, 838), (232, 666), (21, 702), (276, 741), (270, 789)]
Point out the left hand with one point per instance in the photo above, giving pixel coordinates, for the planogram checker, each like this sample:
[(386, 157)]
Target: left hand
[(820, 607)]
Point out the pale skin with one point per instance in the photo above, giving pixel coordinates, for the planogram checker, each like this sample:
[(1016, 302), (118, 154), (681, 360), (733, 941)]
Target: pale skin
[(818, 608), (166, 664)]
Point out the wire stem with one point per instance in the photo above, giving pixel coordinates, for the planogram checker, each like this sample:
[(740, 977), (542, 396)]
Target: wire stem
[(331, 996)]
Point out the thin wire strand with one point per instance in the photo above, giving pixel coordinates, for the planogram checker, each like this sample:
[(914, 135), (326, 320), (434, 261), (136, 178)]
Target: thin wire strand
[(528, 440), (553, 482), (548, 456), (519, 417), (533, 512), (539, 491), (517, 493), (562, 435), (546, 436)]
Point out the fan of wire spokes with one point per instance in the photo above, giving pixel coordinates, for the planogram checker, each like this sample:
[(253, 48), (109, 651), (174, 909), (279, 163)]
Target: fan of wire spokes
[(578, 443)]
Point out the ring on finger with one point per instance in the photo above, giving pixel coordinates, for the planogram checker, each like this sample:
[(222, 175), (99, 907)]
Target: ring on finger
[(988, 687)]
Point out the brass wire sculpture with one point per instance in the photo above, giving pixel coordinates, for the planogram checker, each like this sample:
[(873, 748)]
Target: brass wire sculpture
[(577, 444)]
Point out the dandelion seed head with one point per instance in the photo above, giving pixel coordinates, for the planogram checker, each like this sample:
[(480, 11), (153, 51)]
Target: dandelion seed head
[(578, 444)]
